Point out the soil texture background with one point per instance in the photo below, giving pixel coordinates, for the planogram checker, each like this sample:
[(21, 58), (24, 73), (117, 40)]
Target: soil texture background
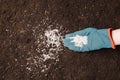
[(22, 27)]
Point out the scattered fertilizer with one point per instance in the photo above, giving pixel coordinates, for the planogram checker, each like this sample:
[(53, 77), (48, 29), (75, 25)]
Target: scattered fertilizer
[(48, 41), (49, 44)]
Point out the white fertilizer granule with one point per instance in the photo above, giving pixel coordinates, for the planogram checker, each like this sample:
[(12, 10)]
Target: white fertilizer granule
[(79, 41)]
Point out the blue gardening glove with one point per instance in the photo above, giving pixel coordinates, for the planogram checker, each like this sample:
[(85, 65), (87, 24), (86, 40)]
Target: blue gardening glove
[(89, 39)]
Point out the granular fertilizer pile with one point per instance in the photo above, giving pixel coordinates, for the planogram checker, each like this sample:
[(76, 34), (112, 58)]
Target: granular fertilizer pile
[(48, 42), (53, 38)]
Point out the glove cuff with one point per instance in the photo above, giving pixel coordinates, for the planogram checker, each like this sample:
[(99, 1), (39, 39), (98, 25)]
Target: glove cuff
[(111, 39)]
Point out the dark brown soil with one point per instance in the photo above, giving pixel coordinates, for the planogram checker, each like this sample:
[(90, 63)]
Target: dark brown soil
[(18, 18)]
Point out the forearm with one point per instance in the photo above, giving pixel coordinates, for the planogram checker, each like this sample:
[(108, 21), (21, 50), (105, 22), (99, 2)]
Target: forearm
[(116, 36)]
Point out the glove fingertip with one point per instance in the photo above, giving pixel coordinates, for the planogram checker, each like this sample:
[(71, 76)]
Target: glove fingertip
[(65, 42), (67, 35)]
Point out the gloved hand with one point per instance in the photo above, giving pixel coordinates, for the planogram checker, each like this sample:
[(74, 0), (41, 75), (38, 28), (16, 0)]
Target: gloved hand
[(89, 39)]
